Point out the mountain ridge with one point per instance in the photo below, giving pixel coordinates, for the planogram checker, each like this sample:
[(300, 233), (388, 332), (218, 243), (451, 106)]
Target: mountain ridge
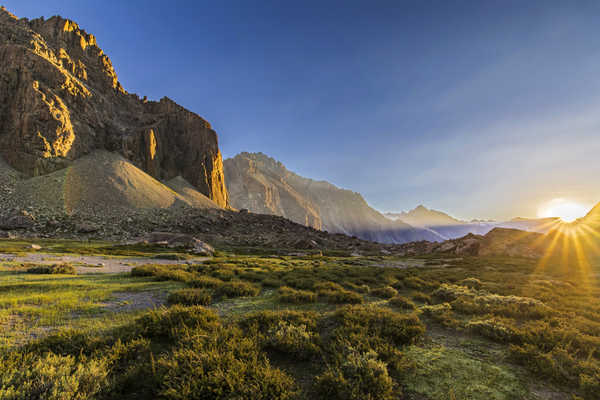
[(60, 99), (262, 184)]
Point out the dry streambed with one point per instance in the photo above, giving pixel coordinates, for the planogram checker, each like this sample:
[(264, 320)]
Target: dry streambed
[(92, 264)]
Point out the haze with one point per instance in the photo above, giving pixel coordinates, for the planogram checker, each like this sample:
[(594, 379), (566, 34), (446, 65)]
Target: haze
[(483, 110)]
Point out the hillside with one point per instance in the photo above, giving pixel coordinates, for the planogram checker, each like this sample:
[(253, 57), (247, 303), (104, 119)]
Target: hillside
[(100, 183), (60, 99), (263, 185)]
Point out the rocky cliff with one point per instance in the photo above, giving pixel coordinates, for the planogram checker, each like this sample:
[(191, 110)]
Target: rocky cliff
[(60, 99), (263, 185)]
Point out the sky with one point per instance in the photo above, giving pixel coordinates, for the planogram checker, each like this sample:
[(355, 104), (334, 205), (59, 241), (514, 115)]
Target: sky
[(482, 109)]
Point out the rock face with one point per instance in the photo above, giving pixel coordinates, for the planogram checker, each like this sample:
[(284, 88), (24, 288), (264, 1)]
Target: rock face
[(60, 99), (263, 185)]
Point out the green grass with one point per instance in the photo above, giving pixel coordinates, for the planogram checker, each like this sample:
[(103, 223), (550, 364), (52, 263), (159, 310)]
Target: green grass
[(437, 328), (31, 305)]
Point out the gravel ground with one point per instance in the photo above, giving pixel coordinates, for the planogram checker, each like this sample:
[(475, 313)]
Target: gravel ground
[(93, 264)]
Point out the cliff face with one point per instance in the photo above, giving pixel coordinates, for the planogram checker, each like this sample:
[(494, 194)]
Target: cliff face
[(260, 184), (263, 185), (60, 99)]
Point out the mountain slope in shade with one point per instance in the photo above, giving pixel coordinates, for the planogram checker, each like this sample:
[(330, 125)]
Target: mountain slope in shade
[(263, 185)]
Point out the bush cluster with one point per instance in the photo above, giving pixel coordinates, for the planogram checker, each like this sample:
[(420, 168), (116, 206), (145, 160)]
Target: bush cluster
[(66, 269)]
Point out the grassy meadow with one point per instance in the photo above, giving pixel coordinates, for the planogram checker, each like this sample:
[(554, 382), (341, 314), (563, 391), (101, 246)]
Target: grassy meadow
[(301, 327)]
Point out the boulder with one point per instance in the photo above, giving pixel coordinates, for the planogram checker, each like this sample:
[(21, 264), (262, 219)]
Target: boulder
[(179, 240), (15, 222), (87, 228)]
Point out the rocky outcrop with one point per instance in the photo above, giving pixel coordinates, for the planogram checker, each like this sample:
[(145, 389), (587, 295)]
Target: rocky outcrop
[(60, 99), (498, 241), (263, 185)]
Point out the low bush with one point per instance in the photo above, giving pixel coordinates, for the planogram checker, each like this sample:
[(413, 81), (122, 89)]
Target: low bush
[(421, 297), (206, 282), (342, 296), (289, 295), (296, 340), (374, 323), (361, 376), (27, 376), (386, 292), (494, 329), (190, 297), (66, 269), (264, 321), (168, 323), (163, 273), (402, 303), (171, 256), (237, 289), (414, 282), (224, 366), (472, 283), (66, 342)]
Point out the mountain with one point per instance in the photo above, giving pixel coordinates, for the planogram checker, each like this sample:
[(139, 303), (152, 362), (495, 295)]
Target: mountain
[(452, 228), (423, 217), (540, 225), (263, 185), (592, 218), (101, 183), (60, 100)]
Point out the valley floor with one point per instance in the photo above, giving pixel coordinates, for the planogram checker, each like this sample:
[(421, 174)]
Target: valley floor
[(294, 327)]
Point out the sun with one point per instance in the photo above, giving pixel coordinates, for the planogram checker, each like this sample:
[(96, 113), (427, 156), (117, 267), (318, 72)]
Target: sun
[(564, 209)]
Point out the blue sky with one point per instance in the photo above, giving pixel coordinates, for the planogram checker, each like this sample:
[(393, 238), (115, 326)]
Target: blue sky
[(482, 109)]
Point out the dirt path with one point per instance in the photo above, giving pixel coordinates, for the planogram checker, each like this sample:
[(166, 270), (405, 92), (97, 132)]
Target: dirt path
[(94, 264)]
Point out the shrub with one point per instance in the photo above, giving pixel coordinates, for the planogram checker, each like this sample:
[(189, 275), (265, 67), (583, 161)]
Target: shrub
[(472, 283), (163, 273), (292, 339), (386, 292), (414, 282), (340, 296), (26, 376), (66, 342), (357, 288), (223, 366), (402, 303), (168, 323), (237, 289), (328, 286), (263, 321), (206, 282), (289, 295), (421, 297), (190, 297), (494, 329), (170, 256), (271, 282), (377, 323), (65, 269), (145, 270), (360, 377)]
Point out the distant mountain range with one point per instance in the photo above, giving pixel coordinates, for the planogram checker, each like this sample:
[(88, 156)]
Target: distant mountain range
[(450, 228), (263, 185)]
